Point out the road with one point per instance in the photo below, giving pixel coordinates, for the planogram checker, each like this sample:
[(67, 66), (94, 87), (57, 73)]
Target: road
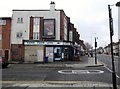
[(33, 72), (106, 59), (17, 74)]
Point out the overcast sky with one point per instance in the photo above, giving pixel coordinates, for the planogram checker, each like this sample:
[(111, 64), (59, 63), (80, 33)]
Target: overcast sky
[(90, 17)]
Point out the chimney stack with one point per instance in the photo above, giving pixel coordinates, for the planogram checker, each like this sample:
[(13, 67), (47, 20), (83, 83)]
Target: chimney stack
[(52, 6)]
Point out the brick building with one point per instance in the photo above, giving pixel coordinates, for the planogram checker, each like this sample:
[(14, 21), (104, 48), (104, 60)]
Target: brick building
[(5, 32), (36, 34)]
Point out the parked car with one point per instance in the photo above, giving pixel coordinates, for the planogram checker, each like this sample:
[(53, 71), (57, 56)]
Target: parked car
[(3, 62)]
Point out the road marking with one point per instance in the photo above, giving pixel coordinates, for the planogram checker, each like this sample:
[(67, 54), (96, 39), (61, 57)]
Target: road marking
[(111, 71), (80, 71)]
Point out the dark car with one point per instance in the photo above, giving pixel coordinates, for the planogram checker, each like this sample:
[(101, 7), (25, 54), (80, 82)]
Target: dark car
[(4, 62)]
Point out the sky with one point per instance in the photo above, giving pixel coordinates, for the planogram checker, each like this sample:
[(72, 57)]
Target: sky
[(90, 17)]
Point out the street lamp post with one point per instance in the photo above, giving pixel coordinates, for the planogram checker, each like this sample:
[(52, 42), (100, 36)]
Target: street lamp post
[(111, 34), (95, 50)]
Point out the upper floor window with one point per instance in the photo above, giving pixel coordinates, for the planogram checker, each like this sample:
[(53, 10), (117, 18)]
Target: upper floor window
[(36, 21), (19, 35), (2, 22), (19, 20), (36, 36)]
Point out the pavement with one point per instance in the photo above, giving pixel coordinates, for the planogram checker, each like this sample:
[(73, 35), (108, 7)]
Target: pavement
[(84, 62), (90, 62)]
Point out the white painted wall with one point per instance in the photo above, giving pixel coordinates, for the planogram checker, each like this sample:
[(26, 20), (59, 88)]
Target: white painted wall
[(119, 28), (118, 22), (24, 27)]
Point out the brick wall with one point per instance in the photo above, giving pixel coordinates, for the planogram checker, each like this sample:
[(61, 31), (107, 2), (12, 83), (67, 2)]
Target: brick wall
[(0, 39), (61, 25), (17, 52), (6, 30)]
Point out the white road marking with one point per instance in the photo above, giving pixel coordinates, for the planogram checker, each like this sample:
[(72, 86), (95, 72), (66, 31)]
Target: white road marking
[(80, 71), (111, 71)]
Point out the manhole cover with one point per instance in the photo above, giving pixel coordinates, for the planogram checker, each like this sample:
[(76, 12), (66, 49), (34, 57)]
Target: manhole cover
[(80, 71)]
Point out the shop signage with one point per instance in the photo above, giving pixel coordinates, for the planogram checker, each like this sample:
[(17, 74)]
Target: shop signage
[(46, 43)]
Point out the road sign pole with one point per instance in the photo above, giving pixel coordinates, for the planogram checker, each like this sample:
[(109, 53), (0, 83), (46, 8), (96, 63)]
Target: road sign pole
[(112, 56)]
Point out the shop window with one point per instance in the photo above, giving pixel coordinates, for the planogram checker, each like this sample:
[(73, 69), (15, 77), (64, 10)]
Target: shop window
[(57, 54)]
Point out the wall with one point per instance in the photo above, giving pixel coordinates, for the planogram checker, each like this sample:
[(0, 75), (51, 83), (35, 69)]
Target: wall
[(1, 40), (119, 23), (24, 27), (6, 32), (17, 52), (119, 28)]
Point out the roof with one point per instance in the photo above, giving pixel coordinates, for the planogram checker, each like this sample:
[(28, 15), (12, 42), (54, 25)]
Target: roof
[(35, 10), (5, 17)]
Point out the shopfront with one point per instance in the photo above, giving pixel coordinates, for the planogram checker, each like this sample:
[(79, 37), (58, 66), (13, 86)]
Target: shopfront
[(36, 51)]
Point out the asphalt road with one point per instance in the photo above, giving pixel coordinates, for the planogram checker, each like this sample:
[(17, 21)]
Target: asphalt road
[(32, 72), (106, 59)]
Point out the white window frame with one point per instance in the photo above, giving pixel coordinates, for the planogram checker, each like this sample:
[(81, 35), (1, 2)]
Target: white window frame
[(36, 21), (19, 35), (20, 20), (35, 35)]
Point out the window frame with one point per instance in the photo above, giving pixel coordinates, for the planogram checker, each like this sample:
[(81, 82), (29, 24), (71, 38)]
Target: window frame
[(36, 21), (35, 35), (19, 35), (19, 20), (2, 22)]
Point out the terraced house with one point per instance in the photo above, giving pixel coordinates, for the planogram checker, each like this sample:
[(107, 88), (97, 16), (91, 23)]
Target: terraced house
[(5, 32), (37, 34)]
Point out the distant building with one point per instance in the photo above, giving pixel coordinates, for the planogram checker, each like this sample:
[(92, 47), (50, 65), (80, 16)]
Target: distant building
[(37, 34), (107, 49), (5, 32), (100, 50)]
